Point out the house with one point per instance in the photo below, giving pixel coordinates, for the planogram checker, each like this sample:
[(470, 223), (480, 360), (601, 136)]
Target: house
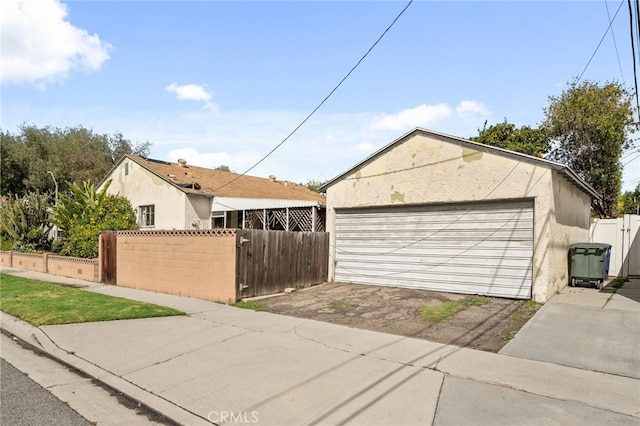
[(180, 196), (437, 212)]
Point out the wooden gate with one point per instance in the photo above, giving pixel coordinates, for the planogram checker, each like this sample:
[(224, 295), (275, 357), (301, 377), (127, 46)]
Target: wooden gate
[(270, 261), (108, 257)]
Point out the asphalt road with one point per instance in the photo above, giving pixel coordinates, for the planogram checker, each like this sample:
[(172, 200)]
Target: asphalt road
[(24, 402)]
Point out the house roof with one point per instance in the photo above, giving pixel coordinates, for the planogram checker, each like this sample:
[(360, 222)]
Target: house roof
[(559, 167), (216, 183)]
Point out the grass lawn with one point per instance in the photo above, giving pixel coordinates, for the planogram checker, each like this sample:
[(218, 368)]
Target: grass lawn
[(42, 303)]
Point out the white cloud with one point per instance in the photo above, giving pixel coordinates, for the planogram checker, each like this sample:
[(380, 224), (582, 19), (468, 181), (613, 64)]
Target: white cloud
[(325, 146), (40, 46), (470, 108), (193, 92), (195, 158), (412, 117)]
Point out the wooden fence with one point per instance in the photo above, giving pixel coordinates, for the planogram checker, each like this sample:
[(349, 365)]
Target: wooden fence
[(221, 265), (270, 261)]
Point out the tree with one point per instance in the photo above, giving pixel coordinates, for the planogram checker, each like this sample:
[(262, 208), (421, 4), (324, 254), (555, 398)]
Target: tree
[(630, 201), (14, 165), (72, 154), (84, 214), (25, 222), (590, 127), (314, 184), (527, 140), (223, 168)]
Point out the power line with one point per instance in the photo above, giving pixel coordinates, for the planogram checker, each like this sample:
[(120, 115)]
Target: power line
[(629, 153), (601, 40), (613, 36), (324, 100), (631, 161), (637, 23), (633, 54)]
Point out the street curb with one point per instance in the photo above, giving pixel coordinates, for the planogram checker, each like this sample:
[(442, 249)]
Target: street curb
[(157, 408)]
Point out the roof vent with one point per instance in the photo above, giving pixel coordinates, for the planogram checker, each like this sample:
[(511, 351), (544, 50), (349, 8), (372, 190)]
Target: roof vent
[(272, 178), (182, 162)]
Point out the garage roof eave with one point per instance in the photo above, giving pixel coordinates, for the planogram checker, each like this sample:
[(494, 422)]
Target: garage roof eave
[(559, 167), (575, 179)]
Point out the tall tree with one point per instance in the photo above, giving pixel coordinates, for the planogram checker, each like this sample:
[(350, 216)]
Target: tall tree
[(590, 126), (527, 140), (30, 157)]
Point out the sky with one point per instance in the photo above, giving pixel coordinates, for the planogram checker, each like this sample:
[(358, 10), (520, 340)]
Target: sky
[(223, 83)]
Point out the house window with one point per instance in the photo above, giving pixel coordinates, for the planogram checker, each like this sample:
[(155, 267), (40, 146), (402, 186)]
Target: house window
[(218, 220), (126, 169), (147, 216)]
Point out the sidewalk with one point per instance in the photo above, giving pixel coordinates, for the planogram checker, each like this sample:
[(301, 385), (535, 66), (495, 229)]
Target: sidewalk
[(227, 365)]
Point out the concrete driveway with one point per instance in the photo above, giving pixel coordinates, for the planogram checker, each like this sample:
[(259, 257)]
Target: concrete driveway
[(586, 328)]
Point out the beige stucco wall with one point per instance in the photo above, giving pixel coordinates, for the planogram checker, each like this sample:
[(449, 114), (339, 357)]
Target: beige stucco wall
[(198, 212), (142, 188), (199, 266), (84, 269), (73, 267), (569, 223), (428, 169), (29, 261)]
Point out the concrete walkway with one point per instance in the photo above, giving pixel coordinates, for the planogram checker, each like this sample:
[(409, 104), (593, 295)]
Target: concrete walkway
[(586, 328), (222, 364)]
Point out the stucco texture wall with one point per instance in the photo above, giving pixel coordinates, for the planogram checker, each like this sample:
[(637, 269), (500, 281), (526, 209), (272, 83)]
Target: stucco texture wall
[(198, 212), (199, 266), (142, 188), (569, 224), (424, 169)]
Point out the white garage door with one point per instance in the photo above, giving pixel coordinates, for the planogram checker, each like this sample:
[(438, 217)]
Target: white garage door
[(477, 248)]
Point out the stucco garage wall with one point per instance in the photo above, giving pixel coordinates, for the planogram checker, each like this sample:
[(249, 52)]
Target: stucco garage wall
[(425, 169), (144, 188), (569, 224), (185, 263)]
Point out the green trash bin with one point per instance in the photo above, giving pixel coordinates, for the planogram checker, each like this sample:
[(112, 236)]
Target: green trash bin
[(589, 263)]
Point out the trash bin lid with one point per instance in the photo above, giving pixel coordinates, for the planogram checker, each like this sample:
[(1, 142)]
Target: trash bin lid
[(602, 246)]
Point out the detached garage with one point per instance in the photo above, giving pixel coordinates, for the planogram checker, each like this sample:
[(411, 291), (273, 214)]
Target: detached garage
[(436, 212)]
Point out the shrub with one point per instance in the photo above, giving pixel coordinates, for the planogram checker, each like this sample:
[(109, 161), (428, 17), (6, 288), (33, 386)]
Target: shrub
[(87, 213), (24, 223)]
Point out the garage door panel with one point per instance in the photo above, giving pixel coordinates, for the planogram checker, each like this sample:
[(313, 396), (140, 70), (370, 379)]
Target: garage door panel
[(472, 248), (352, 228), (401, 240), (418, 270), (424, 264), (449, 248)]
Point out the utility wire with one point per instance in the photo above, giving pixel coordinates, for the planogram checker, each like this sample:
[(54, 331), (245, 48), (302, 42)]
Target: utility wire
[(613, 36), (602, 39), (633, 54), (630, 153), (324, 100), (631, 161), (637, 23)]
